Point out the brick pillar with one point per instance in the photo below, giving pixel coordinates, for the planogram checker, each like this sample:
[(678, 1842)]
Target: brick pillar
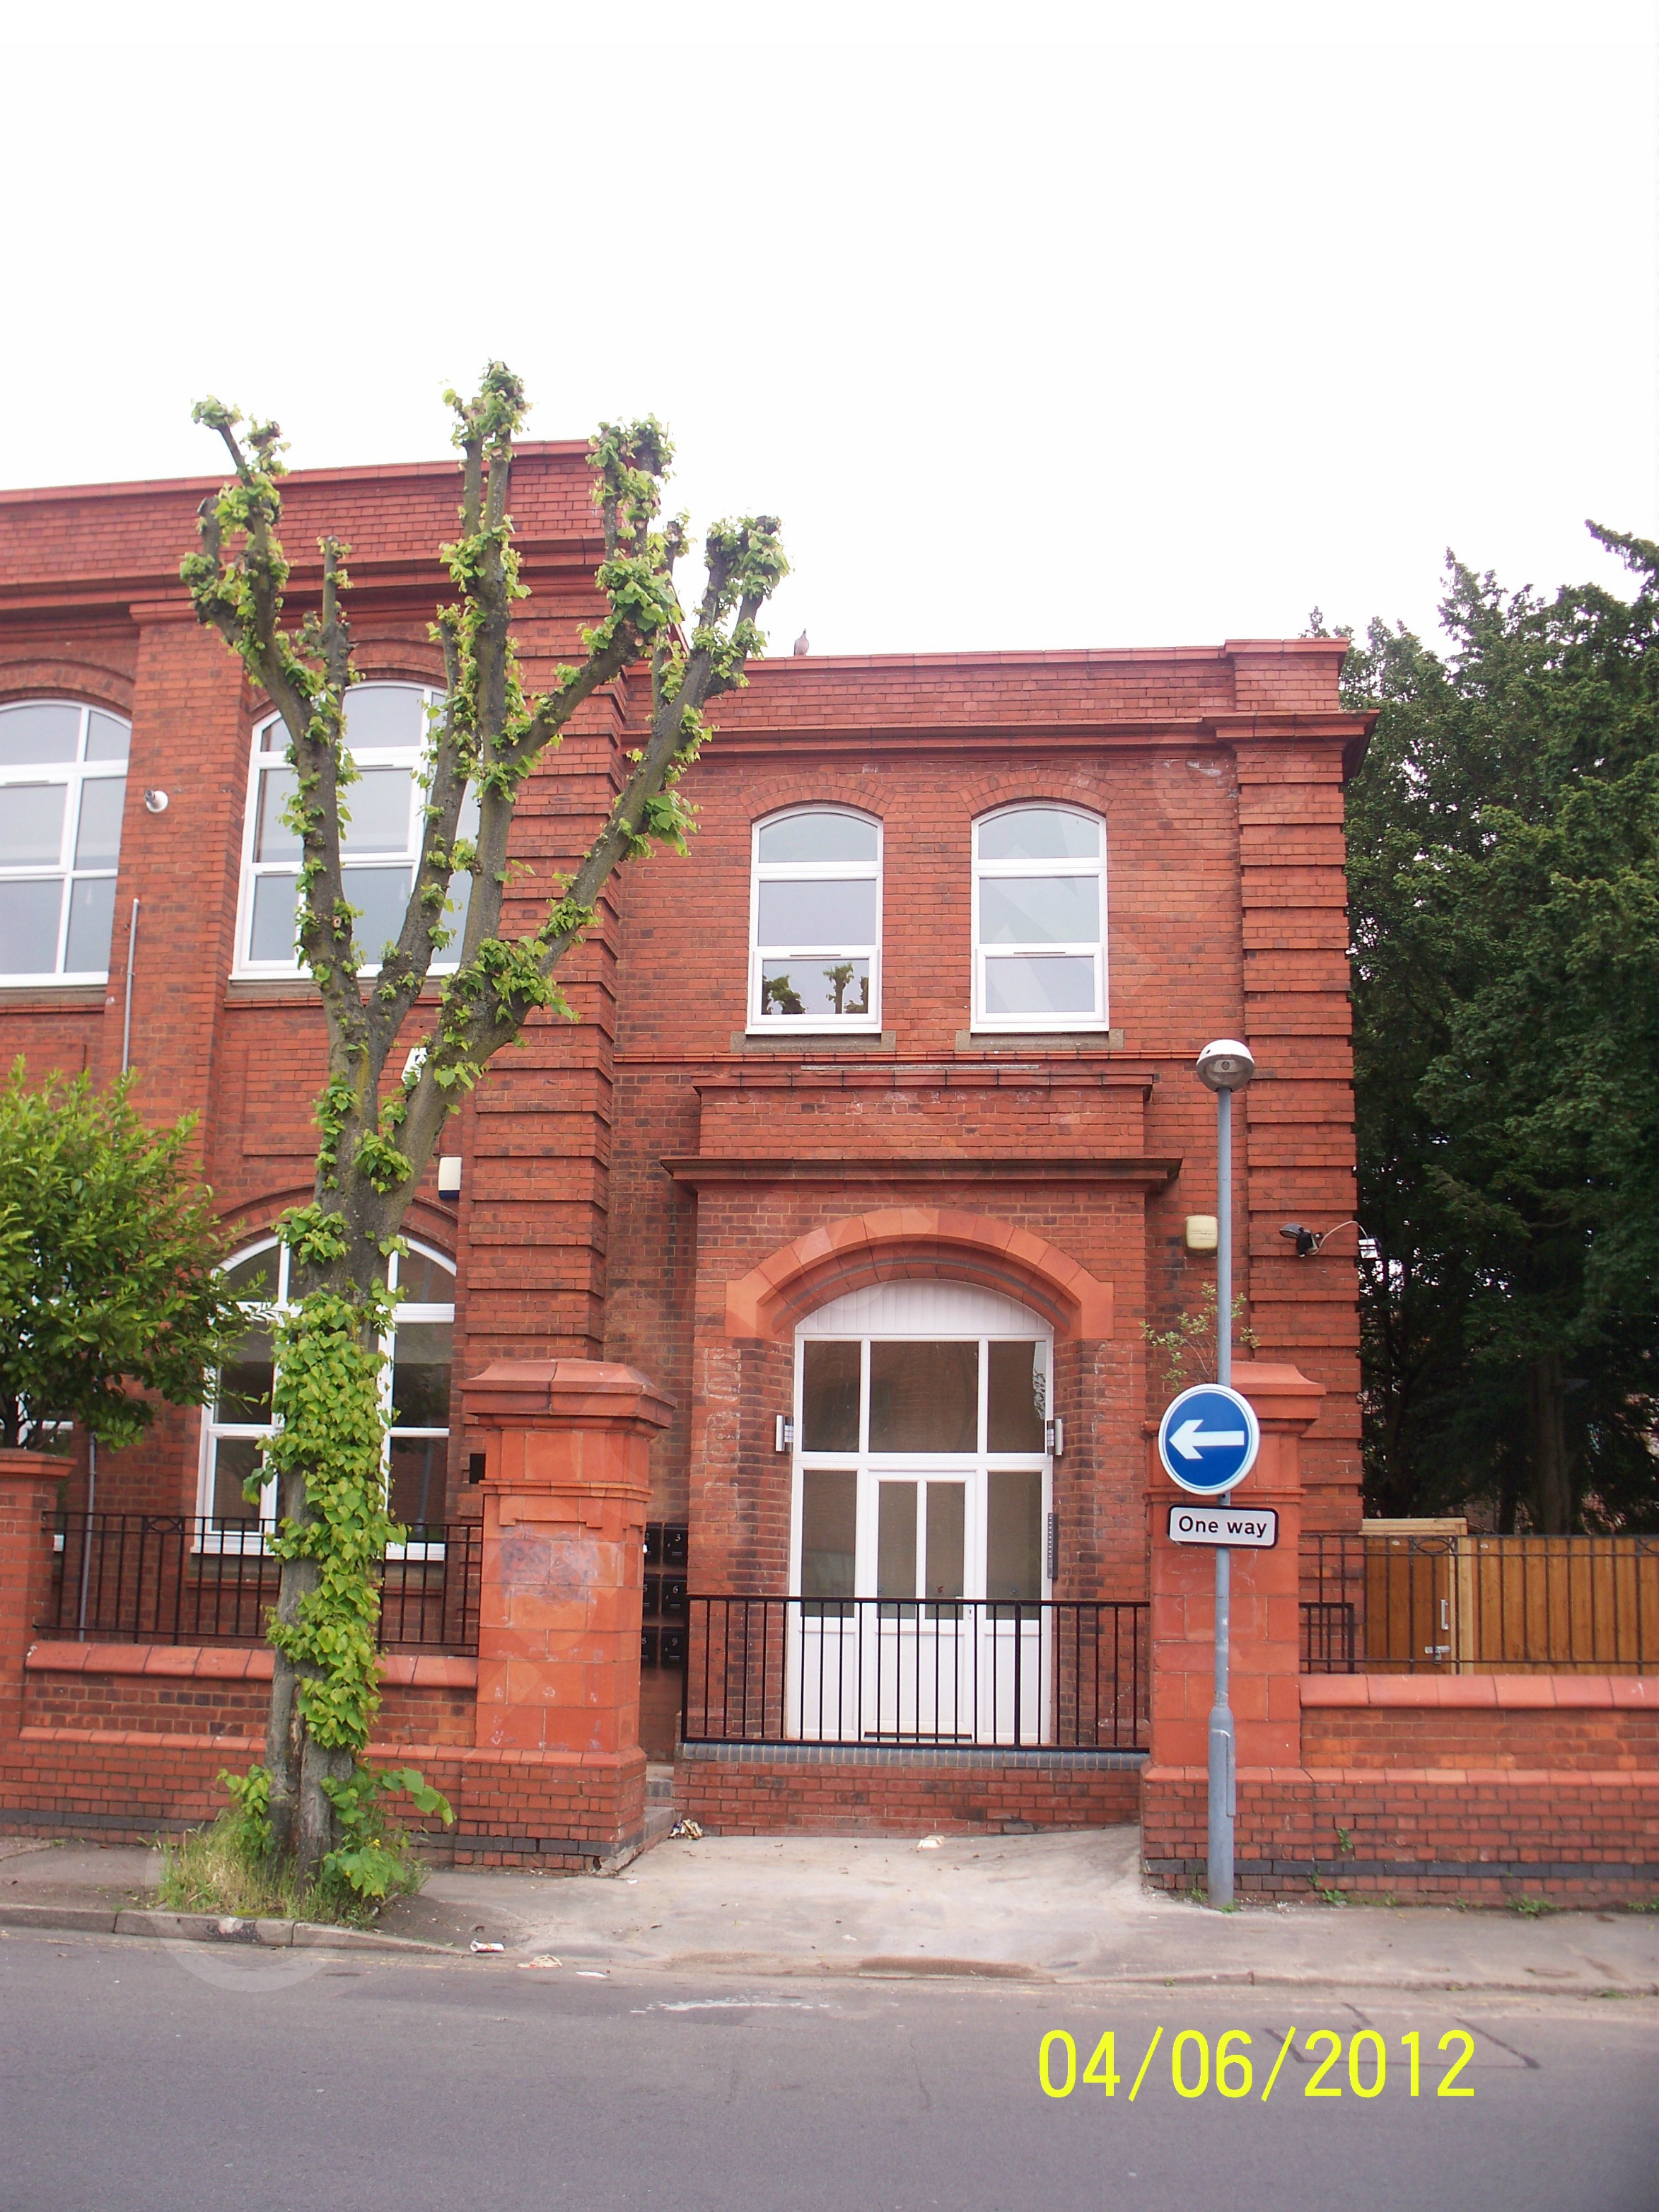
[(29, 1492), (1265, 1687), (567, 1447)]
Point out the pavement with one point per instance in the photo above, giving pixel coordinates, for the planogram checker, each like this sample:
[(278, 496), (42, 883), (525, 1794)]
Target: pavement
[(1053, 1908)]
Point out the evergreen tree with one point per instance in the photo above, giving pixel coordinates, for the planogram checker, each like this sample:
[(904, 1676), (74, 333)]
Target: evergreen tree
[(1502, 840)]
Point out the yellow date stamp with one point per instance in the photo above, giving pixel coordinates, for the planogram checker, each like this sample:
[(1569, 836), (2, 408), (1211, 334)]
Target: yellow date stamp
[(1228, 2067)]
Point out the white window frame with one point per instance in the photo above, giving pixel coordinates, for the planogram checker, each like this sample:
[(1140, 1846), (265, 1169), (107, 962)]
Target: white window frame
[(74, 775), (760, 872), (269, 750), (254, 1537), (983, 871)]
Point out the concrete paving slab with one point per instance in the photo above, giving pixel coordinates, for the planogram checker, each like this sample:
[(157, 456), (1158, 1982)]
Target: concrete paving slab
[(1063, 1908)]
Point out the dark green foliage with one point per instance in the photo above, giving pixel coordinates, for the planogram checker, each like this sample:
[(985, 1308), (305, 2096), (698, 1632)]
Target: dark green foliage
[(1501, 843), (109, 1250)]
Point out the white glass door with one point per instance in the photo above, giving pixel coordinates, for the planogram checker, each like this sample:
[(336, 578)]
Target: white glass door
[(922, 1487)]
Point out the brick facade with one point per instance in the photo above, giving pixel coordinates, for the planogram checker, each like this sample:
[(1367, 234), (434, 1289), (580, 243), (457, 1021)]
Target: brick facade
[(1217, 771)]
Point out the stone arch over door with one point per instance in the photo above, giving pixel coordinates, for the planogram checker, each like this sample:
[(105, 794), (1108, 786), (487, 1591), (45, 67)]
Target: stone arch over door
[(916, 1242)]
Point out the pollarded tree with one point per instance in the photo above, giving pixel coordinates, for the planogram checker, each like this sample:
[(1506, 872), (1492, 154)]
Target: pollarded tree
[(379, 1135)]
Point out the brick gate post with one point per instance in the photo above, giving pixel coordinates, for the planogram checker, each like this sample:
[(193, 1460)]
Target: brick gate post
[(566, 1485), (1265, 1689), (29, 1491)]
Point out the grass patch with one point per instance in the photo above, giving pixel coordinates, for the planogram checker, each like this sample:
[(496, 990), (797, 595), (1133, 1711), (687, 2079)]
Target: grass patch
[(226, 1869), (1532, 1908)]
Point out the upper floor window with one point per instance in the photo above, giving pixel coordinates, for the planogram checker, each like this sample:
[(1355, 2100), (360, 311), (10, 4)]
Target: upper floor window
[(415, 1381), (1039, 919), (814, 922), (387, 733), (62, 785)]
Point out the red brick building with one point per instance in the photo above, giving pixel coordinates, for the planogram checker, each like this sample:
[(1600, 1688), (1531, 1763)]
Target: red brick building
[(877, 1144)]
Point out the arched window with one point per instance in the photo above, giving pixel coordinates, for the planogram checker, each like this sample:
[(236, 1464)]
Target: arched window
[(1040, 920), (416, 1382), (814, 922), (386, 733), (62, 785)]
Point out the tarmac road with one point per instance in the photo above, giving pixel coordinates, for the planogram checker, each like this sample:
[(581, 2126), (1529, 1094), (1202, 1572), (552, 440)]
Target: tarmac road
[(145, 2077)]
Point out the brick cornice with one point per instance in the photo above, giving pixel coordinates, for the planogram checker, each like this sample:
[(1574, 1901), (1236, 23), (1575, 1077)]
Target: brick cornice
[(705, 1171)]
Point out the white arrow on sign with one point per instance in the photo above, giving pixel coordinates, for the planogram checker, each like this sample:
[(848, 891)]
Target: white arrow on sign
[(1192, 1437)]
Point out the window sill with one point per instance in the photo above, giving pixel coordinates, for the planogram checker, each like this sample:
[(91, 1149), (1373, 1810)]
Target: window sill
[(48, 993), (1040, 1040), (814, 1041), (295, 991)]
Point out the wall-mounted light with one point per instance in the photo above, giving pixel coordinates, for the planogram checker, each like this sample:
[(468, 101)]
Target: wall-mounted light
[(1053, 1437), (783, 1435)]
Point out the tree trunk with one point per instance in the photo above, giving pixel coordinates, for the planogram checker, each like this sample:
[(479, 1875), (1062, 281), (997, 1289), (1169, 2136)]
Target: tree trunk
[(301, 1818), (1547, 1427)]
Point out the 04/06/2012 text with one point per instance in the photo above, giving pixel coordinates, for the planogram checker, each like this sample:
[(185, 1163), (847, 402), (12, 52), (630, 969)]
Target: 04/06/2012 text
[(1233, 2073)]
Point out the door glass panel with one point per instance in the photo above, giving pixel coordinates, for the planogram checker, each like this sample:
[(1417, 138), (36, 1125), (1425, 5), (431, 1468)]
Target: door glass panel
[(31, 826), (245, 1380), (92, 918), (1039, 909), (1040, 983), (924, 1397), (947, 1522), (416, 1494), (895, 1539), (97, 839), (806, 986), (1013, 1534), (28, 927), (1039, 833), (807, 913), (811, 837), (1015, 1394), (829, 1513), (830, 1397), (235, 1459), (419, 1375)]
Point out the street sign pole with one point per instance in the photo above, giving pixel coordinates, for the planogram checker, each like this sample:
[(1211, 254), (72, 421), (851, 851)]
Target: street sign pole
[(1222, 1743)]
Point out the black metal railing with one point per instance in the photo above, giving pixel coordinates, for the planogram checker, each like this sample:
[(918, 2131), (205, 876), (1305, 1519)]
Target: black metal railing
[(168, 1578), (1056, 1674), (1431, 1604)]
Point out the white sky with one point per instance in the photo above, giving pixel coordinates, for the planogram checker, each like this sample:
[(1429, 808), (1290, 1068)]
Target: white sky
[(1039, 324)]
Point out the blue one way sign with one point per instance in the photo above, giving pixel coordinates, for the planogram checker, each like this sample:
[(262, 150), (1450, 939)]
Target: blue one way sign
[(1208, 1440)]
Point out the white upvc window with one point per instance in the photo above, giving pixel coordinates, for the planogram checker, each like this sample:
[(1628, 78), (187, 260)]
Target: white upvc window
[(415, 1385), (387, 733), (1040, 918), (814, 922), (63, 785)]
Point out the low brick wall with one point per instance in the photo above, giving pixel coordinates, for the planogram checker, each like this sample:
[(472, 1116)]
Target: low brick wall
[(1481, 1788), (743, 1789), (214, 1691), (122, 1743)]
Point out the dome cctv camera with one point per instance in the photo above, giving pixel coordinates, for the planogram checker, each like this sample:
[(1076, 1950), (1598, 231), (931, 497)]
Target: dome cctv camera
[(1226, 1065), (156, 802)]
